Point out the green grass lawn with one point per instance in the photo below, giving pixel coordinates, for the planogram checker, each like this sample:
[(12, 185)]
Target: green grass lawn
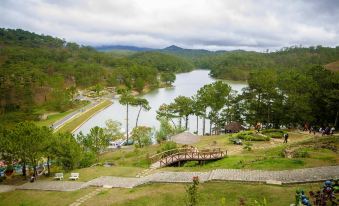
[(41, 198), (210, 193), (132, 157), (90, 173), (74, 123), (269, 159)]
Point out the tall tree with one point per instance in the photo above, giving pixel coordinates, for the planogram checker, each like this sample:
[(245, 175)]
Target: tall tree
[(96, 141), (126, 99), (32, 142), (184, 107), (142, 104)]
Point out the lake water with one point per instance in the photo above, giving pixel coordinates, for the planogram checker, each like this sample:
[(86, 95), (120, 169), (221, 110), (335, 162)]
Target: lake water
[(186, 84)]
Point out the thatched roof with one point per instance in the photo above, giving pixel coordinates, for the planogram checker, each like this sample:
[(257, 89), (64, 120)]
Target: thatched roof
[(185, 138), (234, 126)]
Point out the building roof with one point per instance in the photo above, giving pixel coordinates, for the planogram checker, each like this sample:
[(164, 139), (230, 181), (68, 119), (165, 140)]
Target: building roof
[(235, 126)]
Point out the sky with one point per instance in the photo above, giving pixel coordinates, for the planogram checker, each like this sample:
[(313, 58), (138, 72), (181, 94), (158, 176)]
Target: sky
[(197, 24)]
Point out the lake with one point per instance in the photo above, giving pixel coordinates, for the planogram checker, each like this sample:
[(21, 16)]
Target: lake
[(186, 84)]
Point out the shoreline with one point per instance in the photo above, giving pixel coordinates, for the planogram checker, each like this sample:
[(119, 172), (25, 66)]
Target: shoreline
[(95, 113), (72, 125)]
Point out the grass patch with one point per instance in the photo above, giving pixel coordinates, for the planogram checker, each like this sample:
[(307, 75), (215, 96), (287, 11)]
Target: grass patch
[(131, 157), (41, 198), (90, 173), (210, 193), (250, 136), (74, 123)]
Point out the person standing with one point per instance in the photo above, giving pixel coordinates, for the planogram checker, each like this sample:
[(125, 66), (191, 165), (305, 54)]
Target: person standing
[(285, 138), (332, 130)]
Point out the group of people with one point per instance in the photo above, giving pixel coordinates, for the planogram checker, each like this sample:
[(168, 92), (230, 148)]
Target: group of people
[(323, 131)]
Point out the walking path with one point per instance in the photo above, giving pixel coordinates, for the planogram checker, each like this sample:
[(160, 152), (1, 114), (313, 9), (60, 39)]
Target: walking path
[(263, 176), (284, 177)]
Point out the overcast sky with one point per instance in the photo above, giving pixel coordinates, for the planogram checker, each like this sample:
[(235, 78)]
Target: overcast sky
[(206, 24)]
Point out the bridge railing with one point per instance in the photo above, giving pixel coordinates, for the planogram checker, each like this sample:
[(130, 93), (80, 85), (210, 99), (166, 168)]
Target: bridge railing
[(166, 158), (166, 153)]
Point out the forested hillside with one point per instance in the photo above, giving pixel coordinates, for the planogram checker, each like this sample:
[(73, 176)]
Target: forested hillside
[(237, 65), (38, 71)]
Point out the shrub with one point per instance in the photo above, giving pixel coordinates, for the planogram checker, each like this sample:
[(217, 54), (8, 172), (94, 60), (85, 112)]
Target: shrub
[(248, 146), (169, 145), (250, 136), (274, 133), (192, 192), (301, 154), (89, 158)]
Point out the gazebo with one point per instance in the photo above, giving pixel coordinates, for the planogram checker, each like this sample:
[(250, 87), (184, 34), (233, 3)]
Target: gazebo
[(233, 127)]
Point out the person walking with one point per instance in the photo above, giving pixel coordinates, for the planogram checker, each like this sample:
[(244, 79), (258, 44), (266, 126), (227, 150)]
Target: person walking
[(285, 138), (332, 130)]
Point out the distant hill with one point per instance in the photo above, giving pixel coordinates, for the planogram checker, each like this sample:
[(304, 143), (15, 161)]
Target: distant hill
[(334, 66), (106, 48)]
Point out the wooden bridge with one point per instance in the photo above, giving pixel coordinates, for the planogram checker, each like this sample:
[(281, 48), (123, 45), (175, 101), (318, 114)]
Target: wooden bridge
[(170, 157)]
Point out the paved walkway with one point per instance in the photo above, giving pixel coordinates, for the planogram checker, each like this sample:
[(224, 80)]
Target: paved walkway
[(52, 185), (7, 188), (284, 177)]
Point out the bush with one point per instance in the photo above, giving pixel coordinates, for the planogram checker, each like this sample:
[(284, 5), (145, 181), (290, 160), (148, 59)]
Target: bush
[(248, 146), (169, 145), (89, 158), (301, 154), (250, 136), (273, 133)]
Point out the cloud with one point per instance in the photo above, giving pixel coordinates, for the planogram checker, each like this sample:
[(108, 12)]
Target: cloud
[(206, 24)]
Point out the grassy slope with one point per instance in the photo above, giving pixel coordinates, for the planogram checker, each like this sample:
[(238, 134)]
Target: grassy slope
[(74, 123), (210, 193), (266, 159)]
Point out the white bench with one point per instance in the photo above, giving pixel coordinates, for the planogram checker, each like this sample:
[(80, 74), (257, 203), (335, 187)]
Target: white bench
[(74, 176), (59, 176)]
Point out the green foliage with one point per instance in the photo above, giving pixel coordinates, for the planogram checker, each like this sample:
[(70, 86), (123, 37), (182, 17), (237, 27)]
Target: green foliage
[(67, 151), (96, 141), (301, 153), (192, 192), (248, 146), (37, 71), (165, 131), (237, 65), (168, 145), (112, 130), (250, 136), (162, 62), (88, 159), (167, 77), (141, 135)]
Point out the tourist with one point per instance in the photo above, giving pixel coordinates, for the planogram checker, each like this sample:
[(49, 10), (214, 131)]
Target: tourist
[(326, 131), (285, 138), (332, 130), (32, 178)]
